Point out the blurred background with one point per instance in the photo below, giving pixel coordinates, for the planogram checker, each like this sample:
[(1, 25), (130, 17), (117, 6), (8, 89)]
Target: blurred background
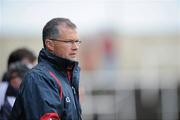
[(129, 58)]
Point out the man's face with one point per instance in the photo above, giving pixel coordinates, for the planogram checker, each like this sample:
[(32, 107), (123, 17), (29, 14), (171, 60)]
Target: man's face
[(15, 80), (67, 50)]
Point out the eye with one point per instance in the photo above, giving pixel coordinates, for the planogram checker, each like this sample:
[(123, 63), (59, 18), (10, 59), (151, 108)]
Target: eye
[(78, 41)]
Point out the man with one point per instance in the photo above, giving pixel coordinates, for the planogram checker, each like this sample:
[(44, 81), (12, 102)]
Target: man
[(50, 90), (21, 55), (15, 75)]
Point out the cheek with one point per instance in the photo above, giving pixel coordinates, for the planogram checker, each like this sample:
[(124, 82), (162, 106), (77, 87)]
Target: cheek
[(61, 51), (16, 82)]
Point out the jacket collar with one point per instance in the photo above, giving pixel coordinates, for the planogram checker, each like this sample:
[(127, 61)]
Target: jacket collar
[(60, 63)]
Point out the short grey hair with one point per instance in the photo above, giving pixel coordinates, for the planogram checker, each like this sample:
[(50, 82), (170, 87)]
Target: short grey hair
[(50, 30)]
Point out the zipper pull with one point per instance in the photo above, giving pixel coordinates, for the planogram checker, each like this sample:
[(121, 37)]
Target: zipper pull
[(74, 90)]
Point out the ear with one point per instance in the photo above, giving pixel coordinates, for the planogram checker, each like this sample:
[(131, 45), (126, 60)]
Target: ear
[(49, 45)]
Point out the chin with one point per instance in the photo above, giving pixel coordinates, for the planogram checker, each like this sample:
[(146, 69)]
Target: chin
[(73, 59)]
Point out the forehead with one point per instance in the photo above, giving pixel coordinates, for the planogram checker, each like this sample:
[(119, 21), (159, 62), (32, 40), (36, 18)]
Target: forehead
[(67, 33)]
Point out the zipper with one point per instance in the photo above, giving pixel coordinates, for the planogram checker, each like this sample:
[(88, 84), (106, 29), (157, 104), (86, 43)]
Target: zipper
[(74, 95), (78, 111)]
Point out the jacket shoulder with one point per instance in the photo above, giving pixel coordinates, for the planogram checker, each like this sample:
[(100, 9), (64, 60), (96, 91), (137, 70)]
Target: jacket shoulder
[(37, 76)]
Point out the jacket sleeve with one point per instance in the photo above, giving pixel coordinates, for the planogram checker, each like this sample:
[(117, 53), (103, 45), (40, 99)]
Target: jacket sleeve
[(40, 97)]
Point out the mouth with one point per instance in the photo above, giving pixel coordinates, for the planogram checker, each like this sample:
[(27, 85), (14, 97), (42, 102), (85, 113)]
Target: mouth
[(73, 54)]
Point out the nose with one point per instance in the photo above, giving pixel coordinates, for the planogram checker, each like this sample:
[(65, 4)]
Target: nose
[(75, 46)]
